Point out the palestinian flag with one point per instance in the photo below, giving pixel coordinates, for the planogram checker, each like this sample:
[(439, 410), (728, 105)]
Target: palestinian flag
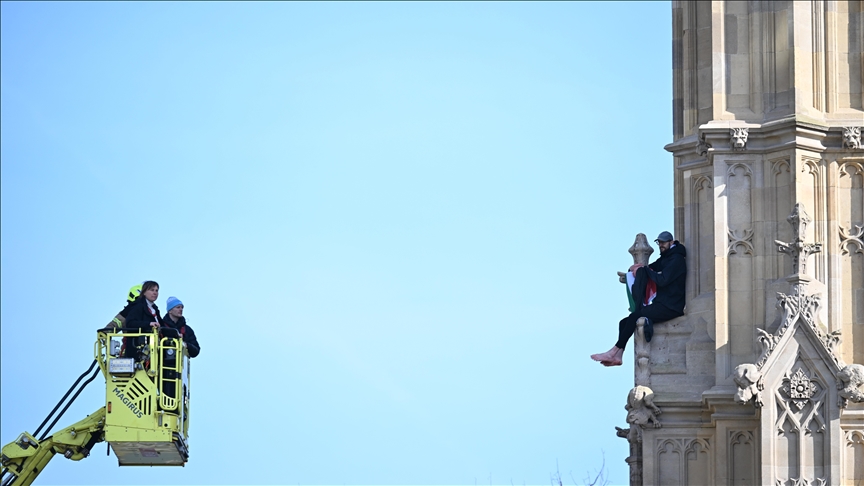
[(650, 291)]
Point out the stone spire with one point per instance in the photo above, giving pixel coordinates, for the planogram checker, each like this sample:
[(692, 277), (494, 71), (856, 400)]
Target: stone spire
[(767, 155)]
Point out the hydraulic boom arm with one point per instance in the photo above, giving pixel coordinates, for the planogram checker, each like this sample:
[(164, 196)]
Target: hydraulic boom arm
[(25, 458)]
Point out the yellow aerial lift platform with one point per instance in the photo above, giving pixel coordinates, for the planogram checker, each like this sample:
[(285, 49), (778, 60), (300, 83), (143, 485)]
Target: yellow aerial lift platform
[(145, 419)]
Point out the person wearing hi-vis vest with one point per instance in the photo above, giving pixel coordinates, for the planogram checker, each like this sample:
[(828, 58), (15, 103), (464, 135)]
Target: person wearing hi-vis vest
[(120, 319), (657, 295)]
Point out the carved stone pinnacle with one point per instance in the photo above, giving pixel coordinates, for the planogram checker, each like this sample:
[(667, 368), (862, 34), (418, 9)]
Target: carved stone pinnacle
[(798, 250), (641, 250)]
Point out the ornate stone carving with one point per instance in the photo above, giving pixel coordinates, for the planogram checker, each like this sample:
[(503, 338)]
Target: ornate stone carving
[(852, 236), (641, 250), (749, 380), (798, 250), (794, 306), (702, 145), (852, 138), (802, 306), (802, 482), (832, 342), (854, 437), (768, 341), (746, 168), (802, 423), (799, 388), (641, 410), (743, 239), (852, 378), (684, 461), (778, 166), (798, 307), (739, 138)]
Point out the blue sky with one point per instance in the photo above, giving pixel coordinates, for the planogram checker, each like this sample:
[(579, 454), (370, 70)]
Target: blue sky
[(394, 226)]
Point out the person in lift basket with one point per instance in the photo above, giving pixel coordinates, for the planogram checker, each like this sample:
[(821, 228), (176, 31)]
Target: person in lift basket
[(143, 316), (175, 320)]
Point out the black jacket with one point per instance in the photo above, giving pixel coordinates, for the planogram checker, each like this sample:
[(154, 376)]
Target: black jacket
[(669, 272), (187, 333), (125, 312), (139, 315)]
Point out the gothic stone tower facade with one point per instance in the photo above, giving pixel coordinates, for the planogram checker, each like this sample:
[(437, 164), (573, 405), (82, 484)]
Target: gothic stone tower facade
[(758, 383)]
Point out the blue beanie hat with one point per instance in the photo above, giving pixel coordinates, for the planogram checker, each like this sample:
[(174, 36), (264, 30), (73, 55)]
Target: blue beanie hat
[(173, 302)]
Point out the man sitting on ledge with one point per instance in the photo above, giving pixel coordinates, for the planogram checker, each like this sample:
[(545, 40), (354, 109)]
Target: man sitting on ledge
[(668, 273)]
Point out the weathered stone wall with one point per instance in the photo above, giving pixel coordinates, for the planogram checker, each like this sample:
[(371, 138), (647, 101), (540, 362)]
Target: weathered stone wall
[(757, 61), (768, 115)]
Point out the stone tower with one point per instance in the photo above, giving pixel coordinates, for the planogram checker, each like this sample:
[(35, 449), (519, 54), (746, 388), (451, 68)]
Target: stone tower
[(758, 383)]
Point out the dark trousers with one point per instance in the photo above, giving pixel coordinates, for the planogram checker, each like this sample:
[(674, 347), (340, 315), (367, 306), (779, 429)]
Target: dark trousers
[(655, 312)]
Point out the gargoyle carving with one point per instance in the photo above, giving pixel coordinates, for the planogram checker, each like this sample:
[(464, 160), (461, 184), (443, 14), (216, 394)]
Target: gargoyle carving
[(852, 377), (749, 380), (702, 145), (641, 409), (739, 137), (852, 137), (640, 412)]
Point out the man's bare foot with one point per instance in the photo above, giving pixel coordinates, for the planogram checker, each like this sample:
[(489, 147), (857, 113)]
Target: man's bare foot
[(604, 356), (613, 357)]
